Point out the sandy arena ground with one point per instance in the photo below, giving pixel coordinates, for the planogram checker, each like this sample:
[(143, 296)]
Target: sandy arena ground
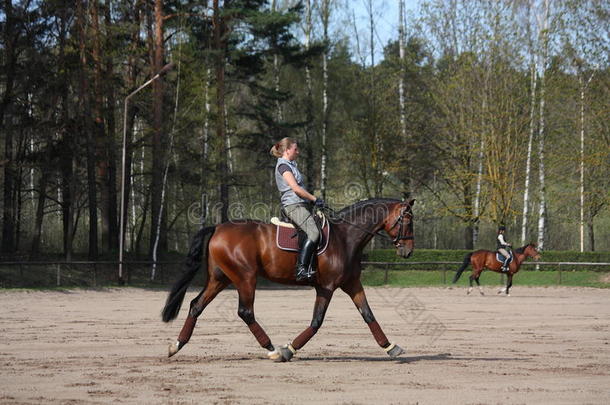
[(541, 345)]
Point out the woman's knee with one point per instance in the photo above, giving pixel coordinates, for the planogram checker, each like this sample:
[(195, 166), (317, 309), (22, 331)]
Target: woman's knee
[(313, 234)]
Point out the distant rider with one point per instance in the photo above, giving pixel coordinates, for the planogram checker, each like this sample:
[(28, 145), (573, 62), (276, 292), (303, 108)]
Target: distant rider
[(503, 247)]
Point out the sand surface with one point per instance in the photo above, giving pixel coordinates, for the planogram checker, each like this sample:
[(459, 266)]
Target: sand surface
[(540, 345)]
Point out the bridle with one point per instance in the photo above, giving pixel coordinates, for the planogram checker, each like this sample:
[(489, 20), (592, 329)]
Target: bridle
[(399, 235), (401, 226)]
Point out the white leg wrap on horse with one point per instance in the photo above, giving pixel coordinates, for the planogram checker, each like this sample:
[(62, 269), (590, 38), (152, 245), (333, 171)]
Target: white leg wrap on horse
[(292, 349), (390, 347)]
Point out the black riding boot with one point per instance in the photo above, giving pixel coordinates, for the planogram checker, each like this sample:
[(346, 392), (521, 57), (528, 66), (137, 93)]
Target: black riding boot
[(505, 267), (303, 269)]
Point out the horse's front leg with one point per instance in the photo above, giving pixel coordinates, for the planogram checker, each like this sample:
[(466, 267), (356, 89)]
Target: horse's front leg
[(509, 283), (323, 297), (356, 293)]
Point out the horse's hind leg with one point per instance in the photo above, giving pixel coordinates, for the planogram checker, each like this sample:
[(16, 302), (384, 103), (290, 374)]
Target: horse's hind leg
[(216, 283), (479, 284), (246, 313), (474, 276), (323, 297), (356, 293)]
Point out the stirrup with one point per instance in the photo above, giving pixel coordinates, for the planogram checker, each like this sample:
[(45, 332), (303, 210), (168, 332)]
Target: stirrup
[(305, 274)]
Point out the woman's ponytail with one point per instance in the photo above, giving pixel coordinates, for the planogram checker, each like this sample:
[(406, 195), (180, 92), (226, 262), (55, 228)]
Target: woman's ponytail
[(280, 147)]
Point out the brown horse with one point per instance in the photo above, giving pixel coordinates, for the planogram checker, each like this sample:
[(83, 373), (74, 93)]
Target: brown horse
[(482, 259), (237, 252)]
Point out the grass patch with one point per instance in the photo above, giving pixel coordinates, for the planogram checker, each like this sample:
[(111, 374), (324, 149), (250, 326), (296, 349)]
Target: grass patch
[(413, 278)]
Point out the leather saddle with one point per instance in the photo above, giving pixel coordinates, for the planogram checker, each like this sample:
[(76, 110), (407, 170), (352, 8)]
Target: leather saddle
[(500, 257), (288, 236)]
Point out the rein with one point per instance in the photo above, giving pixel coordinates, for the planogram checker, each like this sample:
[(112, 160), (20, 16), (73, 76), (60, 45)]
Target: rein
[(335, 217)]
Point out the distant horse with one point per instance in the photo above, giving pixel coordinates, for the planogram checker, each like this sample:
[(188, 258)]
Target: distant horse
[(238, 251), (482, 259)]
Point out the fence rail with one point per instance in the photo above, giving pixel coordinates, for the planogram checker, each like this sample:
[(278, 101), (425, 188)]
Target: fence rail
[(559, 267), (98, 273)]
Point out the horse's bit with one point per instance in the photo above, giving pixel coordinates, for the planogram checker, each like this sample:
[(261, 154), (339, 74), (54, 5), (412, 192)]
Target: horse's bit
[(399, 222)]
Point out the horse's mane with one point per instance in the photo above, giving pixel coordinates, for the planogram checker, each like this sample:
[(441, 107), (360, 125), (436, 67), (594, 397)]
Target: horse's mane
[(522, 248), (350, 209)]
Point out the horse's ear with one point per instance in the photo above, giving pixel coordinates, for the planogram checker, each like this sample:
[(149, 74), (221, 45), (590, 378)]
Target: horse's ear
[(412, 202)]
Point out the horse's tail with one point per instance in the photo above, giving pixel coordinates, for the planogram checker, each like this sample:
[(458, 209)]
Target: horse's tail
[(197, 253), (461, 269)]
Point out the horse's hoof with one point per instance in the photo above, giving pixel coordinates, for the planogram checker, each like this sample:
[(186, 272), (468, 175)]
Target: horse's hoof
[(394, 350), (173, 349), (286, 354), (274, 355)]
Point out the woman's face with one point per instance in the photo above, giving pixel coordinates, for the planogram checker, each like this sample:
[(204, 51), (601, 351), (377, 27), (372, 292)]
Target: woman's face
[(292, 152)]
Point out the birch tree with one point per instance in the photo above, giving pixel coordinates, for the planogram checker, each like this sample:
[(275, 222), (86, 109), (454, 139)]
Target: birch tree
[(325, 17), (587, 50), (543, 23), (527, 24)]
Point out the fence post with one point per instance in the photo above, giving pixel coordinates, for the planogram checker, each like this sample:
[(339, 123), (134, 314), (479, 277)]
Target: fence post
[(58, 274), (559, 274)]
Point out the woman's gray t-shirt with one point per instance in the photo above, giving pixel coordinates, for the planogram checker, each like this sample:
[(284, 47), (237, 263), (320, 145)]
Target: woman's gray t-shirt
[(287, 195)]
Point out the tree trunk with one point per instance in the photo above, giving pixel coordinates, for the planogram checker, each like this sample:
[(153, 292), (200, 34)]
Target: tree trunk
[(309, 113), (220, 46), (591, 235), (88, 130), (67, 155), (377, 162), (468, 232), (102, 159), (158, 157), (528, 161), (325, 119), (583, 88), (276, 74), (206, 149), (582, 164), (140, 233), (541, 133), (401, 82), (130, 121), (10, 35), (42, 185), (113, 220), (468, 242)]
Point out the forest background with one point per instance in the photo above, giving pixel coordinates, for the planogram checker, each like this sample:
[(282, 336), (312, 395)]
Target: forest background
[(486, 112)]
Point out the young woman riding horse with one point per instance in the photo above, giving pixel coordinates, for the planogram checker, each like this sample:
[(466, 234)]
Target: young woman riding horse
[(237, 252), (482, 259), (296, 203)]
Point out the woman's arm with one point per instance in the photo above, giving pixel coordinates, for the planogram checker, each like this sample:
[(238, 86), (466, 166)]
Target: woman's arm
[(300, 191), (502, 241)]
